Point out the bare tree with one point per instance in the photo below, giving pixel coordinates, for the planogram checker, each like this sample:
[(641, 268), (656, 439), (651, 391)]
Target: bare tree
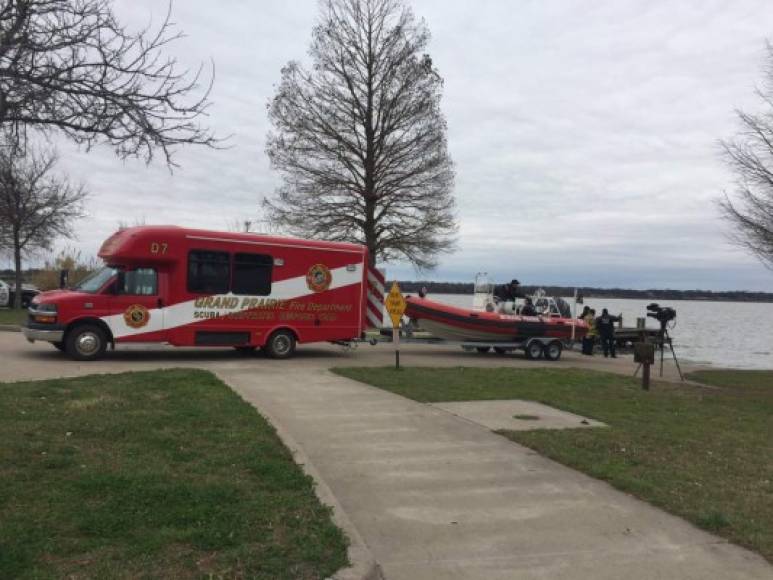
[(70, 65), (35, 206), (750, 156), (241, 225), (360, 139)]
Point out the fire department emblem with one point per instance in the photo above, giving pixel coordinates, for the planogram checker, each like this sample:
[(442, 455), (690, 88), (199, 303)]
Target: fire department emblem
[(319, 278), (136, 316)]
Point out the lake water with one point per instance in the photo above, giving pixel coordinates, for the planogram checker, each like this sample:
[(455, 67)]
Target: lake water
[(727, 334)]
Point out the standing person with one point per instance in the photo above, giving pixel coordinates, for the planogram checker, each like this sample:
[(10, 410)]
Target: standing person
[(590, 338), (606, 329), (585, 311), (508, 292)]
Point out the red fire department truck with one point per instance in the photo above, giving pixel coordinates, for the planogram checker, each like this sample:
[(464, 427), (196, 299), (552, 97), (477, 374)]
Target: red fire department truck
[(199, 288)]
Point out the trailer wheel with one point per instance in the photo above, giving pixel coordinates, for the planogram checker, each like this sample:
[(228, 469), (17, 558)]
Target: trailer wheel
[(281, 344), (534, 350), (553, 351), (86, 342), (500, 350), (482, 349)]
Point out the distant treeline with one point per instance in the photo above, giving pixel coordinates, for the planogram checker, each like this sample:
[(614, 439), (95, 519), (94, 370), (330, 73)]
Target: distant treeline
[(727, 296), (32, 274)]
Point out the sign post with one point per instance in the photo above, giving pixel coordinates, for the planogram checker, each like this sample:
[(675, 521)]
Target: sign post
[(395, 305)]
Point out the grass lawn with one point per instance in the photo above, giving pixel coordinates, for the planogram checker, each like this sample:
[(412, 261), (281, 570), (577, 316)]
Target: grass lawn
[(11, 316), (705, 454), (152, 475)]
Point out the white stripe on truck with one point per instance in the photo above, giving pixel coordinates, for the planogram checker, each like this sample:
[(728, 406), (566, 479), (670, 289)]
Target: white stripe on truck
[(181, 314)]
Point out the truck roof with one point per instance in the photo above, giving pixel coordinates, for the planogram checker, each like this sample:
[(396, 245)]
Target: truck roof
[(134, 243)]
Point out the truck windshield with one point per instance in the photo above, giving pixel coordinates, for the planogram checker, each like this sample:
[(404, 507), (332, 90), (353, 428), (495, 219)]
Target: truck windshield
[(93, 283)]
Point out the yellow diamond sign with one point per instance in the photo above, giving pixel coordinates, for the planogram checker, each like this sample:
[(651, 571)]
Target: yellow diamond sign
[(395, 305)]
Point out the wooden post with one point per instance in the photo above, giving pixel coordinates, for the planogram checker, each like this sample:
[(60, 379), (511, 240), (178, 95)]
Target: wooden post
[(644, 354)]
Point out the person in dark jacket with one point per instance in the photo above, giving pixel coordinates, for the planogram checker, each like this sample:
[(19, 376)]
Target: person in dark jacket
[(528, 308), (605, 325), (508, 292)]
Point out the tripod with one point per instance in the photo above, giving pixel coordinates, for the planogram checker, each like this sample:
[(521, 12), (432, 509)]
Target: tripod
[(661, 341), (665, 339)]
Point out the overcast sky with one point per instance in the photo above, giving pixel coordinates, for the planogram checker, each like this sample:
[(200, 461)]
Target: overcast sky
[(584, 133)]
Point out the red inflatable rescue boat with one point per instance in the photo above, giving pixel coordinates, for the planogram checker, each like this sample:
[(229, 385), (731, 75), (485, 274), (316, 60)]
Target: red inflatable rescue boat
[(467, 325)]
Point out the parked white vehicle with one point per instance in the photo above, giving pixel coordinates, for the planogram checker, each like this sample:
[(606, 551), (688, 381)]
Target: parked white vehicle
[(7, 294)]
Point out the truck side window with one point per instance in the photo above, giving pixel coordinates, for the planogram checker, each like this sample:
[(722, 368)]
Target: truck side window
[(139, 282), (252, 274), (208, 272)]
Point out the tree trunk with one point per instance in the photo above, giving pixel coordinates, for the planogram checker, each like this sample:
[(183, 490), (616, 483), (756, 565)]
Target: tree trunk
[(369, 230), (17, 296)]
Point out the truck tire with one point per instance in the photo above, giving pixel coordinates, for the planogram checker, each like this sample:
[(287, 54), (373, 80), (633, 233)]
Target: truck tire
[(500, 350), (86, 342), (280, 345), (59, 346), (534, 350), (553, 351), (482, 349)]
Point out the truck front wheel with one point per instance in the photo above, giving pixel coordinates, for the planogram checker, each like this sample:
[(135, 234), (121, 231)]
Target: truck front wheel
[(281, 344), (86, 342)]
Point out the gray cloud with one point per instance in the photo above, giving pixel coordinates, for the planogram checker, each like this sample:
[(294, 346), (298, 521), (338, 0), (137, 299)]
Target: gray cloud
[(584, 133)]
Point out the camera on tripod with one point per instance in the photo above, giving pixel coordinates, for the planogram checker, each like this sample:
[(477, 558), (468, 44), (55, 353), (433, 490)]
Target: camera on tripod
[(662, 314)]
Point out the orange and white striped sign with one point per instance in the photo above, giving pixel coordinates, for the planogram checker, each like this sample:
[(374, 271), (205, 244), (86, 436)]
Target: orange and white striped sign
[(375, 306)]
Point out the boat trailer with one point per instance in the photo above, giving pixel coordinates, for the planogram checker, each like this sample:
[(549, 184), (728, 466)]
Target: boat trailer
[(534, 348)]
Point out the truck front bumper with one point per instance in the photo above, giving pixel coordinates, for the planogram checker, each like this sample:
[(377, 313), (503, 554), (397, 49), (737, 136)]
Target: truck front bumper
[(49, 335)]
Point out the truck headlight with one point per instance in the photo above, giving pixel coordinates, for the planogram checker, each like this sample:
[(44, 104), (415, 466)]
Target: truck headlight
[(43, 313)]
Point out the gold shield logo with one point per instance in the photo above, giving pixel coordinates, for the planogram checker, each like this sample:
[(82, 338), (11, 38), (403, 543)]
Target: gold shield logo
[(319, 278), (136, 316)]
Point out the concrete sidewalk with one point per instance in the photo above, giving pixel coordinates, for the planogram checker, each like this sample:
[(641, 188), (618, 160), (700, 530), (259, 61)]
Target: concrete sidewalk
[(436, 496)]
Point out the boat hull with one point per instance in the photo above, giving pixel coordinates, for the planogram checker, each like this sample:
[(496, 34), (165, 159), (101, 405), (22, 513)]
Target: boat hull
[(459, 324)]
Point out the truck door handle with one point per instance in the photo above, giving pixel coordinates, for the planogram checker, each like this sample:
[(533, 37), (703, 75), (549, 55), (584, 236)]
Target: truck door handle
[(160, 303)]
